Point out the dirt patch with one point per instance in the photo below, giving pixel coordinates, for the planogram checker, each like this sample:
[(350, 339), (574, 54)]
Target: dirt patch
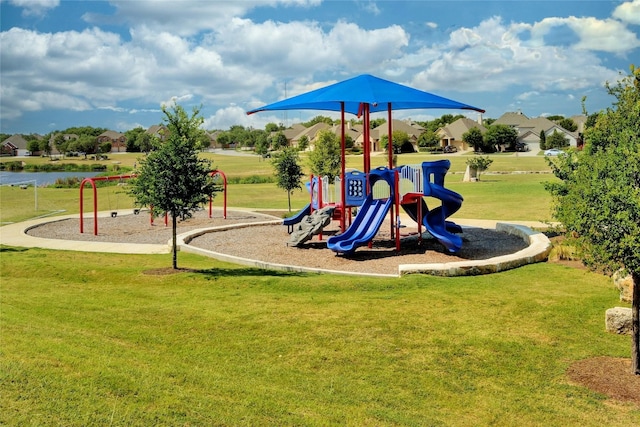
[(607, 375)]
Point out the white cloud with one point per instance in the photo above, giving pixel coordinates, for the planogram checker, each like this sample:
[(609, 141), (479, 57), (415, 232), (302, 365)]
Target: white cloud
[(35, 7), (492, 57), (606, 35), (628, 12), (527, 95), (224, 118), (175, 100)]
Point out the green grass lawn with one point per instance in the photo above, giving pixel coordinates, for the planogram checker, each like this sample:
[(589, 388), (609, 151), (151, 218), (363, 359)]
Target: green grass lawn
[(497, 196), (90, 339)]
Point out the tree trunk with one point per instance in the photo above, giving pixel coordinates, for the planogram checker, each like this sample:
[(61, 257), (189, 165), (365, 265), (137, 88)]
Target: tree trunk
[(174, 250), (289, 199), (635, 324)]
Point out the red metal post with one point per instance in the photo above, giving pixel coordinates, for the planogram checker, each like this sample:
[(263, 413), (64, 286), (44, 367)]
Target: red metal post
[(343, 194)]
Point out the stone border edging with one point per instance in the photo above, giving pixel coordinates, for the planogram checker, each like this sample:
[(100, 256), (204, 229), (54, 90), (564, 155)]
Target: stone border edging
[(537, 250)]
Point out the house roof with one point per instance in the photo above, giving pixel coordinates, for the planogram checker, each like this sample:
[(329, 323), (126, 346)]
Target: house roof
[(157, 129), (511, 119), (111, 134), (536, 125), (412, 129), (542, 124), (296, 131), (459, 127), (16, 141), (580, 120)]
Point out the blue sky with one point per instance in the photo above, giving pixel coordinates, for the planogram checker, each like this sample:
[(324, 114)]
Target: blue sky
[(112, 64)]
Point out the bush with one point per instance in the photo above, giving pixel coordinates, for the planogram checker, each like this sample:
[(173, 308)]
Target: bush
[(479, 163)]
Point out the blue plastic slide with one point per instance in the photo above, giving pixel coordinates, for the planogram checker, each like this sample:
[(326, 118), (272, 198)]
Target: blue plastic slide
[(293, 220), (435, 219), (412, 210), (364, 227)]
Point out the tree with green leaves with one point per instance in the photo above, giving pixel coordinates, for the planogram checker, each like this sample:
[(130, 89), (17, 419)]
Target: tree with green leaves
[(568, 124), (172, 178), (474, 138), (324, 160), (288, 171), (132, 137), (479, 163), (261, 146), (556, 140), (316, 120), (499, 136), (543, 140), (303, 143), (279, 141), (400, 140), (428, 139), (598, 197)]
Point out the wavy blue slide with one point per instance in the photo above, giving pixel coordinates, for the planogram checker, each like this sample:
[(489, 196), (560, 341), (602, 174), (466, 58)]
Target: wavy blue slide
[(435, 220), (364, 227)]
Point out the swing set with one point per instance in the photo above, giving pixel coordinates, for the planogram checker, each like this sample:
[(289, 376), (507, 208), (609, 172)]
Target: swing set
[(136, 211)]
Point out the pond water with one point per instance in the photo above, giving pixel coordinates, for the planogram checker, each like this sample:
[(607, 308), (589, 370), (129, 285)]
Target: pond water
[(41, 178)]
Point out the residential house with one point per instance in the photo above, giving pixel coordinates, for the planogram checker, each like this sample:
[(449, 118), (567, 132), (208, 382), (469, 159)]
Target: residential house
[(118, 140), (15, 145), (297, 131), (529, 129), (354, 131), (412, 129), (159, 131), (511, 119), (213, 136), (452, 133)]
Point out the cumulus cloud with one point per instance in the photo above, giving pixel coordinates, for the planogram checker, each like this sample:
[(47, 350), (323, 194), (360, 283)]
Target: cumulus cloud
[(492, 57), (628, 12), (606, 35), (35, 7)]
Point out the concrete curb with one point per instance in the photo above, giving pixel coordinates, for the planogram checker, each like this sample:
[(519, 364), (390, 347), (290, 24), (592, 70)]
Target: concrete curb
[(537, 251)]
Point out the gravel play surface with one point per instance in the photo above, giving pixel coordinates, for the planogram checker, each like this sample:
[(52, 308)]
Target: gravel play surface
[(269, 243)]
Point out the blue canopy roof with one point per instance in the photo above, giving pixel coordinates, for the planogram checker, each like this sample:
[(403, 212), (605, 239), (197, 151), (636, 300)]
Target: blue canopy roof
[(376, 92)]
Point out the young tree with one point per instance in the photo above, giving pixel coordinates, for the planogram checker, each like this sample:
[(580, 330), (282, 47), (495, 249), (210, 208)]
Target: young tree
[(543, 140), (479, 163), (325, 157), (173, 179), (598, 199), (288, 171), (474, 138)]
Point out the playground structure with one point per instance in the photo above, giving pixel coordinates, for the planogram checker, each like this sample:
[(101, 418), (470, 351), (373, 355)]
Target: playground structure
[(92, 181), (384, 191)]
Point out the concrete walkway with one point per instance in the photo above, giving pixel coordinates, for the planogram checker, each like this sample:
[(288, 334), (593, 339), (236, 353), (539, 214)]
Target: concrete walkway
[(537, 250), (16, 235)]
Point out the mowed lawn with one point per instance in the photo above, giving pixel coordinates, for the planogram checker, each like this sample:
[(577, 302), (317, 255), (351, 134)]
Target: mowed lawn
[(96, 339), (93, 339)]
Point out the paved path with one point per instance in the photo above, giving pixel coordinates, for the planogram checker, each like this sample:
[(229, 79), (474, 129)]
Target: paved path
[(15, 235)]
